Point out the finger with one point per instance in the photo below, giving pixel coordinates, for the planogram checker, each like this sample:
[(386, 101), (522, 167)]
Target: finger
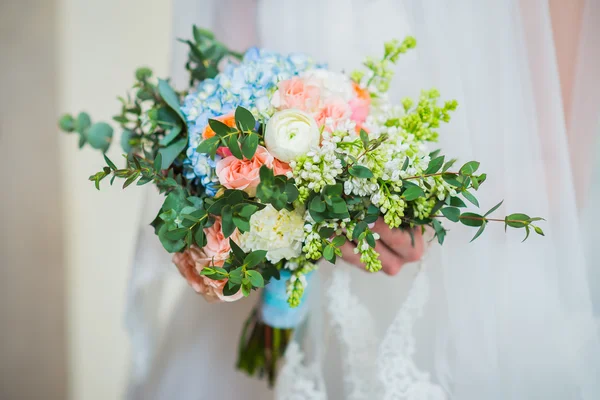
[(400, 242), (391, 262), (349, 255)]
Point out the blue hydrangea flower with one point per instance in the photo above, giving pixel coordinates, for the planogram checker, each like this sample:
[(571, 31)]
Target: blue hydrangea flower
[(249, 84)]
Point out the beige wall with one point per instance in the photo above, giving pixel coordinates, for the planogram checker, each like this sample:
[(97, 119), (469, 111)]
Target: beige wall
[(32, 317), (101, 44)]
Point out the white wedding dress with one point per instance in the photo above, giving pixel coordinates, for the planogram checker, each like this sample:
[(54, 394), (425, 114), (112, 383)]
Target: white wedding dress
[(495, 319)]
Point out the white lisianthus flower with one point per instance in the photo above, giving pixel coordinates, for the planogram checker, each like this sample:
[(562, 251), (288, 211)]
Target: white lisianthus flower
[(280, 233), (290, 134)]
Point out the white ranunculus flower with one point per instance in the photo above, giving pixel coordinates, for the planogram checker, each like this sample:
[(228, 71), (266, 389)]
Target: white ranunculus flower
[(291, 133), (280, 233)]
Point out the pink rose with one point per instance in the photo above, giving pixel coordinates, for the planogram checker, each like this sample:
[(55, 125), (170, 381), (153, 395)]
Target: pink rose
[(297, 93), (195, 259), (332, 113), (234, 173)]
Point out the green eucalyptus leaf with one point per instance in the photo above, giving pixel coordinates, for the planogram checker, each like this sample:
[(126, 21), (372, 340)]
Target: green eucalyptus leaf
[(170, 97), (329, 253), (471, 219), (339, 241), (469, 168), (99, 136), (413, 193), (255, 258), (467, 195), (83, 122), (364, 137), (67, 123), (244, 120), (360, 171), (479, 232), (493, 209), (256, 279), (250, 145), (234, 147), (435, 165), (171, 152), (452, 213)]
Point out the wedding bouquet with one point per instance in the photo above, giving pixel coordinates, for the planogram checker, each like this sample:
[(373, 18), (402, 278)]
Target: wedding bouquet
[(271, 162)]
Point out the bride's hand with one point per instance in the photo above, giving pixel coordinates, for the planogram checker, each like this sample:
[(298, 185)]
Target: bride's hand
[(394, 247)]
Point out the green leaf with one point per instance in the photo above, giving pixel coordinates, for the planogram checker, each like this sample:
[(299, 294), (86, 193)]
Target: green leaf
[(131, 179), (333, 190), (317, 204), (110, 163), (457, 202), (339, 241), (227, 225), (479, 231), (360, 227), (170, 153), (157, 163), (469, 168), (413, 193), (100, 135), (326, 232), (405, 165), (172, 135), (292, 192), (452, 213), (440, 232), (467, 195), (517, 220), (360, 171), (219, 127), (176, 234), (435, 165), (329, 253), (539, 230), (451, 179), (200, 237), (209, 146), (364, 137), (67, 123), (143, 73), (370, 239), (244, 120), (246, 289), (493, 209), (471, 219), (170, 97), (234, 147), (255, 258), (256, 278), (250, 145), (242, 224), (448, 165), (83, 122)]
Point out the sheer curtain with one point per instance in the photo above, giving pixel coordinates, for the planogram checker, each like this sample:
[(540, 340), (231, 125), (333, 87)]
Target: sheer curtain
[(505, 319)]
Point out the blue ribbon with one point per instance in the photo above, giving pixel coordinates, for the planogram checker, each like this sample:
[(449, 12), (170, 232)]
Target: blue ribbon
[(275, 310)]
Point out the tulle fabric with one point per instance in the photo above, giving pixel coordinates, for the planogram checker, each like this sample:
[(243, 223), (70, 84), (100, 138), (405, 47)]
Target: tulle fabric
[(505, 320)]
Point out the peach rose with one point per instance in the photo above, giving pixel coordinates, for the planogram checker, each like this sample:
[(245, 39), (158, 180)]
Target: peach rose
[(360, 104), (227, 119), (335, 111), (195, 259), (234, 173), (297, 93)]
